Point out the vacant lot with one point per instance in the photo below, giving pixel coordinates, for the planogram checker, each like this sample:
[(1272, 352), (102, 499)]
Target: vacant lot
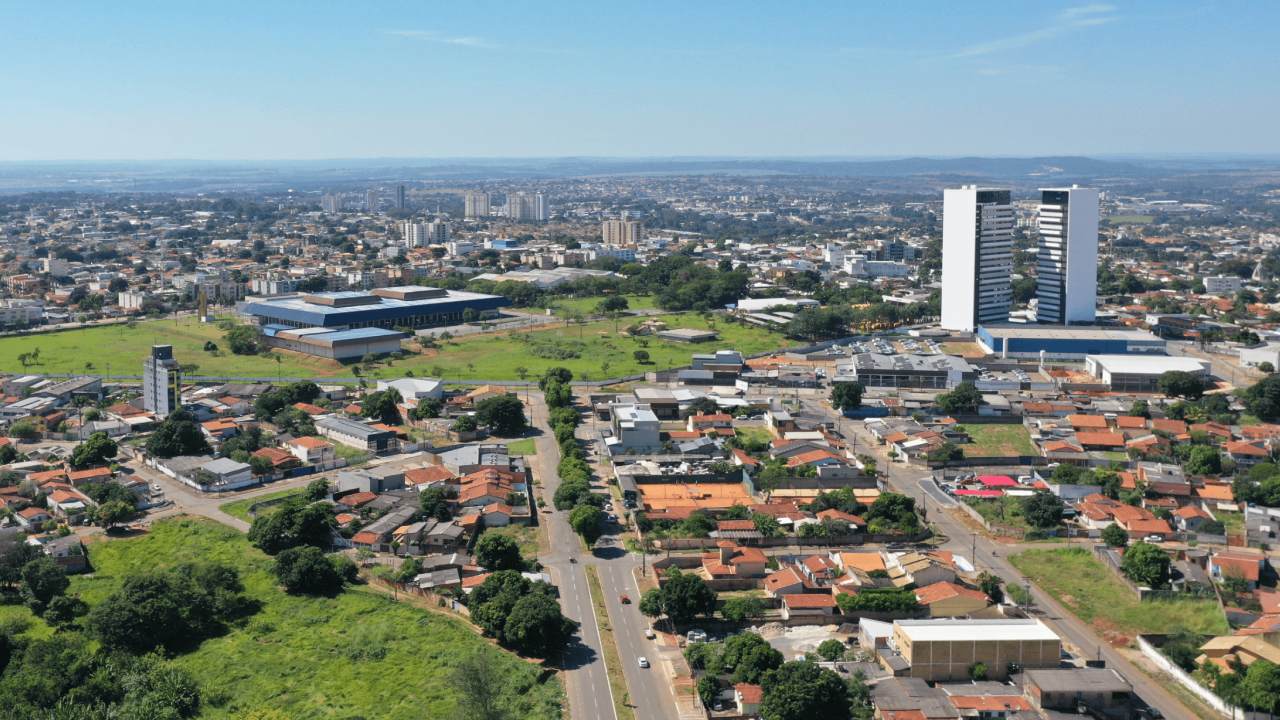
[(996, 441), (587, 305), (1080, 582), (240, 508), (1005, 511), (360, 654), (596, 349)]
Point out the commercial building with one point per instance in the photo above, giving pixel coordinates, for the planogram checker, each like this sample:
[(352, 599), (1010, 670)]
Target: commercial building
[(160, 381), (977, 257), (621, 232), (334, 344), (417, 234), (945, 649), (476, 204), (635, 428), (1131, 373), (20, 312), (1064, 342), (409, 306), (355, 434), (1067, 256), (1223, 284), (936, 372), (1255, 356)]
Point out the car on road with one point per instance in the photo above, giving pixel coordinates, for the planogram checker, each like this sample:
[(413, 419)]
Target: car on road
[(697, 636), (624, 599), (1154, 538), (649, 633), (643, 661)]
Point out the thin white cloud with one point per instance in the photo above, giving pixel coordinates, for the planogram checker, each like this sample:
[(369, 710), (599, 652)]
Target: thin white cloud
[(1068, 20), (470, 41)]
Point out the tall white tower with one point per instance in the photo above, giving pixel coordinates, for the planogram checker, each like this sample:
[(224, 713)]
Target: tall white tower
[(977, 257), (1067, 256)]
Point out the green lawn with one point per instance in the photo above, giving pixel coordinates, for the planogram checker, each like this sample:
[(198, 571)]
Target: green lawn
[(526, 536), (997, 440), (120, 350), (240, 508), (753, 434), (360, 654), (587, 305), (521, 447), (1079, 581), (351, 455), (1005, 511)]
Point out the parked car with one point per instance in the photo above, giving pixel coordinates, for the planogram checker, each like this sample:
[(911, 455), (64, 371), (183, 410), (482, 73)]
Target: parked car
[(644, 661), (649, 633), (696, 636), (1154, 538)]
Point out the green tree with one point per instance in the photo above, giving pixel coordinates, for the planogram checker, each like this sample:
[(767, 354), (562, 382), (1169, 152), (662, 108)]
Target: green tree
[(96, 450), (177, 435), (305, 570), (893, 512), (434, 503), (24, 430), (42, 581), (1261, 686), (1140, 408), (804, 691), (684, 596), (383, 406), (990, 584), (535, 626), (503, 414), (115, 512), (294, 523), (63, 611), (641, 357), (170, 609), (587, 521), (747, 656), (243, 340), (963, 399), (1146, 564), (464, 424), (1115, 536), (316, 490), (498, 552), (1178, 383), (1203, 460), (831, 650), (1043, 510), (741, 609), (846, 396), (879, 600)]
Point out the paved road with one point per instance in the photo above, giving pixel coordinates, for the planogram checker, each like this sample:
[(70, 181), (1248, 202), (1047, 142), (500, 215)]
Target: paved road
[(587, 682), (992, 556)]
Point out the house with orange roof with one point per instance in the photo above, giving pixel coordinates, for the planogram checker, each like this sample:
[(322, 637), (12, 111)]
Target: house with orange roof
[(947, 599), (428, 476), (313, 451), (496, 514), (1212, 429), (480, 494), (1131, 422), (866, 562), (816, 606), (1175, 428), (1100, 440), (785, 581), (734, 561), (67, 503), (281, 460), (88, 476), (1237, 563), (747, 698), (1190, 517), (1088, 422), (1246, 454), (219, 430), (312, 410), (742, 459)]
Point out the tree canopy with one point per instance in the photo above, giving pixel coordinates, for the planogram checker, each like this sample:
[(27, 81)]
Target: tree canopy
[(804, 691), (1146, 564)]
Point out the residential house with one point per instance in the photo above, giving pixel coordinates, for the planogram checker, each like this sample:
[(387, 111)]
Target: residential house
[(947, 599), (818, 607)]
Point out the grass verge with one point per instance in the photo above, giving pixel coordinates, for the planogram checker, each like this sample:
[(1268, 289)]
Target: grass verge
[(521, 447), (613, 661), (240, 508), (1078, 580)]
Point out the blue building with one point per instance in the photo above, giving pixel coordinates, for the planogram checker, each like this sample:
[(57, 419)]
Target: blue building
[(1065, 342), (409, 306)]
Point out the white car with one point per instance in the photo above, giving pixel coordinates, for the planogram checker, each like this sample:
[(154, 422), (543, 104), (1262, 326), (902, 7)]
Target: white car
[(644, 661), (649, 633), (1154, 538)]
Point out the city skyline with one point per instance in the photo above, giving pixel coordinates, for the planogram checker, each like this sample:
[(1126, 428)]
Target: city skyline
[(268, 83)]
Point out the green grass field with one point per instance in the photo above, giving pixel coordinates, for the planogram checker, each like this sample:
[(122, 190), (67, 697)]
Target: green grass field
[(521, 447), (1080, 582), (598, 351), (360, 654), (240, 508), (587, 305), (997, 441), (1005, 511)]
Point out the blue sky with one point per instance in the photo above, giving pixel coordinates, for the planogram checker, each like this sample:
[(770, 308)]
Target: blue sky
[(277, 80)]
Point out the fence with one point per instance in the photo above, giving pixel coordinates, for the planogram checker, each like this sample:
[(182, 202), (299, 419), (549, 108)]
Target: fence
[(1203, 693)]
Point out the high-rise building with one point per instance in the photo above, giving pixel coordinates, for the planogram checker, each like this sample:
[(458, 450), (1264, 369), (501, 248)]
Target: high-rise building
[(330, 203), (161, 382), (477, 204), (977, 257), (523, 207), (437, 232), (413, 234), (621, 232), (400, 204), (371, 200), (1067, 256)]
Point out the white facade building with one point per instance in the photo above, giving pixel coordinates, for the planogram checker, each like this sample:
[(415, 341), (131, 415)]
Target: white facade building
[(476, 204), (1223, 284), (977, 257), (1067, 256), (621, 232)]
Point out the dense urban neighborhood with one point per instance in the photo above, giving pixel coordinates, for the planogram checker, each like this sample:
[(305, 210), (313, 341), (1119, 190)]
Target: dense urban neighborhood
[(642, 448)]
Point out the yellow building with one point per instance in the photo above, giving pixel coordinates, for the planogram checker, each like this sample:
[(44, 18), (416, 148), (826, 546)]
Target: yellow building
[(946, 649)]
